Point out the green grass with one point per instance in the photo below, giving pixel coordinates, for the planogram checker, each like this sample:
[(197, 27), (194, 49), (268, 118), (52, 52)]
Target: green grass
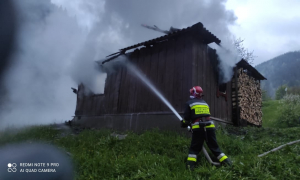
[(162, 155), (270, 113)]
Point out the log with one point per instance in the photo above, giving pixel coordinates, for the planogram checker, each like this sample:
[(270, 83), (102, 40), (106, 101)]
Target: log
[(279, 147), (249, 96)]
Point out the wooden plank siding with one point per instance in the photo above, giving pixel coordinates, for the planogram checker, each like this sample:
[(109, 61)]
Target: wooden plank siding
[(100, 104), (199, 59), (145, 92), (177, 100), (122, 106), (195, 63), (206, 74), (209, 78), (161, 68), (116, 92), (168, 74), (153, 76), (212, 78), (137, 95), (180, 74), (107, 93), (214, 90), (188, 69), (139, 86), (132, 86)]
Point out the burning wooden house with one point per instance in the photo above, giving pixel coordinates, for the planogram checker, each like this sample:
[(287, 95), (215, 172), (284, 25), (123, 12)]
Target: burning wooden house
[(174, 63)]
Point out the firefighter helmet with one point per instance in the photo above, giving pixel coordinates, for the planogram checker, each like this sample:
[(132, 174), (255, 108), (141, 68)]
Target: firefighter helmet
[(196, 91)]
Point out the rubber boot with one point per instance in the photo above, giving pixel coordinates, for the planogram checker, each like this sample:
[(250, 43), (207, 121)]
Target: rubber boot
[(227, 162), (190, 165)]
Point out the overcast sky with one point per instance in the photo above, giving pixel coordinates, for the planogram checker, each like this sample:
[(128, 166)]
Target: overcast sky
[(269, 27)]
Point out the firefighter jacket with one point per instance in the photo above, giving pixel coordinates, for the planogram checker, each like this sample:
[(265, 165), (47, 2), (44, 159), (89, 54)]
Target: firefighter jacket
[(195, 108)]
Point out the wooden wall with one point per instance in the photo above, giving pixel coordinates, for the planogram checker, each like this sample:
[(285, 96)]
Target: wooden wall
[(173, 67), (205, 74), (166, 65)]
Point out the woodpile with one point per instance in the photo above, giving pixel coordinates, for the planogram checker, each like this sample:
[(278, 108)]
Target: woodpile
[(249, 98)]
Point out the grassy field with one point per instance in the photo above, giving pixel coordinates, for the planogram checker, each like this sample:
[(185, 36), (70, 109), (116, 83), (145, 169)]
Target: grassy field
[(161, 155), (270, 113)]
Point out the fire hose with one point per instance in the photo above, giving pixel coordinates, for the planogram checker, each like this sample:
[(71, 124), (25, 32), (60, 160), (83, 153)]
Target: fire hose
[(152, 87)]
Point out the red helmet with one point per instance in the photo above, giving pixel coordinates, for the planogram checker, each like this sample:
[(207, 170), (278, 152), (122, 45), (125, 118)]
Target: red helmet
[(196, 91)]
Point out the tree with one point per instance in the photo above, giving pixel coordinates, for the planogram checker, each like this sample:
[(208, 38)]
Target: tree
[(244, 52), (280, 92), (265, 96), (293, 90)]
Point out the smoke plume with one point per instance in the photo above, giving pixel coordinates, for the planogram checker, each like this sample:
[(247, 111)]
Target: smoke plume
[(228, 56), (118, 23), (54, 53), (37, 86)]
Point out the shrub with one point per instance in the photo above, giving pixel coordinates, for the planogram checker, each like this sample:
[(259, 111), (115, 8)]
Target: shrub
[(289, 110)]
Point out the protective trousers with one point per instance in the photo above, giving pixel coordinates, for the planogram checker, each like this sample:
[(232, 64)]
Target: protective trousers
[(199, 136)]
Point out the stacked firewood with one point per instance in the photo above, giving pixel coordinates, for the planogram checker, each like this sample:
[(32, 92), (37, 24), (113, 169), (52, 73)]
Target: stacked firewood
[(249, 98)]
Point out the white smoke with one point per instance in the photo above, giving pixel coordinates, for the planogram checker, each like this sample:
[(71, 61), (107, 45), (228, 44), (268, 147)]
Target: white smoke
[(85, 70), (54, 54), (38, 84), (228, 57), (118, 23)]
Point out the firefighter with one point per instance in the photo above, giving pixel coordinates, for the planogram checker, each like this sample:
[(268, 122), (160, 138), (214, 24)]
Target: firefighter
[(197, 115)]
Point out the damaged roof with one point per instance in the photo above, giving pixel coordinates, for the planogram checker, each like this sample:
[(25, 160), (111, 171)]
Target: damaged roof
[(207, 36), (197, 30)]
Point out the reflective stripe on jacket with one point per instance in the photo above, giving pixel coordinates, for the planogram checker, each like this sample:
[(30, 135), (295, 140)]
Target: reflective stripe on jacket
[(195, 108)]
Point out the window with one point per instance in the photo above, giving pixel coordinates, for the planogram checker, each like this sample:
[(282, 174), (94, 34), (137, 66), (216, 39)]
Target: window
[(222, 90)]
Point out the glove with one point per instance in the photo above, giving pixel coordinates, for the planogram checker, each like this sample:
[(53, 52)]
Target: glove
[(183, 124)]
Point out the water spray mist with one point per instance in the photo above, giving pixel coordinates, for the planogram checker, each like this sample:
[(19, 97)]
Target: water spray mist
[(138, 73), (147, 82)]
